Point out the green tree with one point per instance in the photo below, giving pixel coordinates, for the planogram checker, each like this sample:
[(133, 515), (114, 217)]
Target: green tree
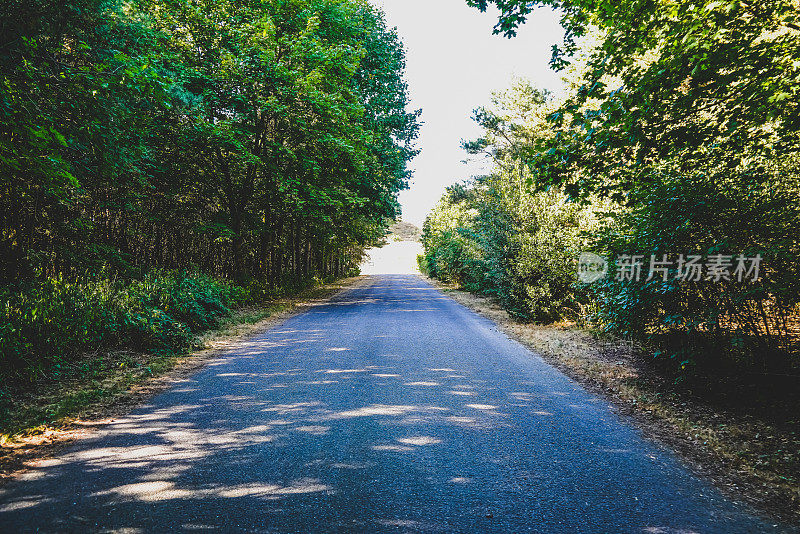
[(496, 236), (258, 140), (685, 113)]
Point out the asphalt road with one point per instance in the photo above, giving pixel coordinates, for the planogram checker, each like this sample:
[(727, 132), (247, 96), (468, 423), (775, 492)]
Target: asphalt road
[(389, 409)]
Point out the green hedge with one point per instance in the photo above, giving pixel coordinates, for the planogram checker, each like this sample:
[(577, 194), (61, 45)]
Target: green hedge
[(48, 324)]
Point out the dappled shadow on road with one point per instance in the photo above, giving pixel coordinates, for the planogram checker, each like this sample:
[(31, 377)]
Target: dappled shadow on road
[(235, 449), (388, 409)]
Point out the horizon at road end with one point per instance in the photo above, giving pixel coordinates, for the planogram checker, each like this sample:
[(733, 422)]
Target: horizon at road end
[(396, 257)]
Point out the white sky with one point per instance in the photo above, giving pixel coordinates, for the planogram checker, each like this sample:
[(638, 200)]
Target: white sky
[(454, 64)]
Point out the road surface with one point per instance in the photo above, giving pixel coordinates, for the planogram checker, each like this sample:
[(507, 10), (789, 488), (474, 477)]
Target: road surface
[(389, 409)]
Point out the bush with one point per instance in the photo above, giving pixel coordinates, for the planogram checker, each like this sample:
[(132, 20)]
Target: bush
[(496, 239), (451, 252), (703, 324), (48, 324)]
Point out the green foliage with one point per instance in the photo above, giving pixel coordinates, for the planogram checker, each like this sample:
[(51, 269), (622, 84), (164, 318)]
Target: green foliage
[(256, 140), (694, 85), (682, 117), (49, 324), (260, 141), (520, 249), (750, 322), (497, 237), (449, 255)]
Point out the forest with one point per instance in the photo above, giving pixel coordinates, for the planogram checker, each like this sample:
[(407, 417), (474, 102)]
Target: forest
[(163, 161), (675, 142)]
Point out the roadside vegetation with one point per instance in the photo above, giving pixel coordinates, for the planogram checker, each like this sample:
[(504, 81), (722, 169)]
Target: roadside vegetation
[(677, 135), (164, 164)]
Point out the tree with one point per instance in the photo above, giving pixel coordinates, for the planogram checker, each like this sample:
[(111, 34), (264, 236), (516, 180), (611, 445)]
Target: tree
[(711, 80), (685, 114), (259, 140), (495, 235), (72, 86)]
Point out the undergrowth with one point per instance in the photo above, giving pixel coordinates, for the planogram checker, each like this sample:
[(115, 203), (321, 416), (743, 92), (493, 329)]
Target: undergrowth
[(55, 330)]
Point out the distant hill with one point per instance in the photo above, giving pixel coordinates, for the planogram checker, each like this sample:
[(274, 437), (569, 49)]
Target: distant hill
[(404, 231)]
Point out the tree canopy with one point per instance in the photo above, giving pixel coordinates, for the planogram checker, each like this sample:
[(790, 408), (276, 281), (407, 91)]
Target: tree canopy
[(713, 83), (256, 139)]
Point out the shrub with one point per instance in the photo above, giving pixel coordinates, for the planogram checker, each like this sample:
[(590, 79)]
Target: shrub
[(498, 239), (48, 324), (707, 323)]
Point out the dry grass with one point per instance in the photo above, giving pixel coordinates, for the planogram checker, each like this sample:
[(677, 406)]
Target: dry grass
[(748, 458)]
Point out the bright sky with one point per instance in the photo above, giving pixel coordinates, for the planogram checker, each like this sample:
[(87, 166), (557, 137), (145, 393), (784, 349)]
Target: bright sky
[(454, 64)]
